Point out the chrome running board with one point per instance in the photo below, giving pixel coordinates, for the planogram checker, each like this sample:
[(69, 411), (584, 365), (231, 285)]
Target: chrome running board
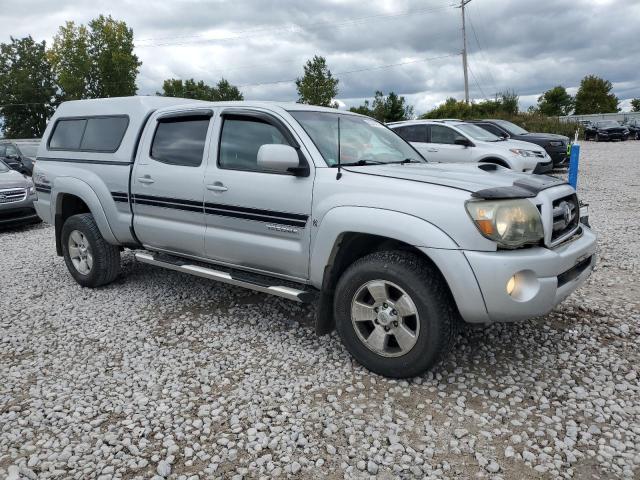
[(232, 278)]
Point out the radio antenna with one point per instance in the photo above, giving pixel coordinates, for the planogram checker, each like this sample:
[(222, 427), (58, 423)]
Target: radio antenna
[(339, 174)]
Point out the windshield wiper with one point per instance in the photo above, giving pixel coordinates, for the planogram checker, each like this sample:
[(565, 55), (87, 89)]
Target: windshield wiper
[(406, 160), (359, 163)]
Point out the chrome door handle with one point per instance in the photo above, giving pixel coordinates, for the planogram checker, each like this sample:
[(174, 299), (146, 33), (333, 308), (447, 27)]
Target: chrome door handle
[(217, 187), (146, 179), (432, 150)]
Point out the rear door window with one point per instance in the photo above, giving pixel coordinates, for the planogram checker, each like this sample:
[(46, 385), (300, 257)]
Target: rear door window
[(413, 133), (180, 140)]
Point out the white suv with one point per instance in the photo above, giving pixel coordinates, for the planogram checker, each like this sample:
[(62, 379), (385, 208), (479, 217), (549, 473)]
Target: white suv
[(457, 141)]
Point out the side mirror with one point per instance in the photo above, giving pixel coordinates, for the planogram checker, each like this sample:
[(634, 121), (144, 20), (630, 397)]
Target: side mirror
[(280, 158), (463, 142)]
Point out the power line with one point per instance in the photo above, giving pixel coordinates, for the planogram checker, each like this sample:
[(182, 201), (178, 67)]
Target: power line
[(475, 79), (481, 51), (317, 25), (367, 69)]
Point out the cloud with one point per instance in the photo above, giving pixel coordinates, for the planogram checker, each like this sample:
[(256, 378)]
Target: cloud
[(409, 46)]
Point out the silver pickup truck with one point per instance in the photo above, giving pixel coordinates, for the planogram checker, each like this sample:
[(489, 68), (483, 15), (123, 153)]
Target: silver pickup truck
[(314, 205)]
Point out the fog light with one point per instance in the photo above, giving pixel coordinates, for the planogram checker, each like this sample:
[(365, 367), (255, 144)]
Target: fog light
[(511, 285)]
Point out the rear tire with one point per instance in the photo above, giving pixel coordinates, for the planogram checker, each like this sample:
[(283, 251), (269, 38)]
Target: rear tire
[(91, 260), (413, 327)]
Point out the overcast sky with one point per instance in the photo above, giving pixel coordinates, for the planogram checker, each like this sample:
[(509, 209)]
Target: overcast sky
[(409, 46)]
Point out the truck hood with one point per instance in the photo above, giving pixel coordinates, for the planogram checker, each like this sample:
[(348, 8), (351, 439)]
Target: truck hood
[(481, 180)]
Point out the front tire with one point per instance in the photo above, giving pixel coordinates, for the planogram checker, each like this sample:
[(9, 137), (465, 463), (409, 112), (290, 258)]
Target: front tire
[(394, 313), (91, 260)]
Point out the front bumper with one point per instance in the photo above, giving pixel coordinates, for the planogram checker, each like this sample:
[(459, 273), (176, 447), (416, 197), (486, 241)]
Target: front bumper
[(559, 157), (18, 213), (544, 277)]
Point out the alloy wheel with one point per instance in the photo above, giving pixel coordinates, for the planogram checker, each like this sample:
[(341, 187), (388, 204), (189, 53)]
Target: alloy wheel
[(385, 318), (80, 252)]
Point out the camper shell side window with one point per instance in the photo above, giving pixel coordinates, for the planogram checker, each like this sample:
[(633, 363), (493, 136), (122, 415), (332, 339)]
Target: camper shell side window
[(102, 133)]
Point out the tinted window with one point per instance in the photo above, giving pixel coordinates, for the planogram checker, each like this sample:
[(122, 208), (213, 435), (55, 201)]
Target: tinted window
[(104, 134), (493, 129), (242, 138), (180, 141), (413, 133), (67, 134), (446, 135)]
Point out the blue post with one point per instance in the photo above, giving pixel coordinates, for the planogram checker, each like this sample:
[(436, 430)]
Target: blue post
[(574, 159)]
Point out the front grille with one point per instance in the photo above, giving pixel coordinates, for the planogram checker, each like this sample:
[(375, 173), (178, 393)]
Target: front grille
[(12, 195), (566, 216)]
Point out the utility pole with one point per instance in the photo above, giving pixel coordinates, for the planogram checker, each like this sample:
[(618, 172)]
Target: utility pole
[(463, 3)]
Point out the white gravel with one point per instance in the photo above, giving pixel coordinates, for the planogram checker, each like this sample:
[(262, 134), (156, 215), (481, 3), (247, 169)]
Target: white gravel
[(166, 375)]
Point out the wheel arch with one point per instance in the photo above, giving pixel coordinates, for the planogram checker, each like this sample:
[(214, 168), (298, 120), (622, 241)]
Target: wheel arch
[(71, 196), (340, 241)]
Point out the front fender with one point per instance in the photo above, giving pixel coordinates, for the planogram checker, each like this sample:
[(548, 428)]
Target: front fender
[(82, 190), (374, 221)]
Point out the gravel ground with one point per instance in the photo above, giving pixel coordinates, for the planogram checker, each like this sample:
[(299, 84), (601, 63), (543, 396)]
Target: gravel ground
[(166, 375)]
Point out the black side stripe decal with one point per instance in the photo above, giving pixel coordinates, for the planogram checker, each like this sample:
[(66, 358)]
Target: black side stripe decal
[(270, 216)]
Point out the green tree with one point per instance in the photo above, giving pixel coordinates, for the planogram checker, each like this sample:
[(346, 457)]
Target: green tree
[(595, 96), (114, 66), (70, 61), (555, 102), (27, 88), (94, 61), (390, 108), (635, 105), (222, 91), (317, 86), (508, 102)]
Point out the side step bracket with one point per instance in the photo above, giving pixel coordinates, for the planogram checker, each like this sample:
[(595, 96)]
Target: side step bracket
[(264, 284)]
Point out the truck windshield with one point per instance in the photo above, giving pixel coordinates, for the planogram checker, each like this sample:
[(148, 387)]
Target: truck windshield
[(512, 128), (362, 139)]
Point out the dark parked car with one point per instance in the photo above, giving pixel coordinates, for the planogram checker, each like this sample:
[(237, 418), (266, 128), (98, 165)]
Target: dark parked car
[(19, 155), (606, 130), (17, 194), (633, 126), (555, 145)]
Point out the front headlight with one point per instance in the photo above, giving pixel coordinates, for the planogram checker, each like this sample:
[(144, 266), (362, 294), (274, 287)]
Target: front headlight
[(510, 223), (523, 153), (32, 190)]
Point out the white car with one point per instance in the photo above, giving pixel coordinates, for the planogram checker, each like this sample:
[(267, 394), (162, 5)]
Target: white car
[(454, 141)]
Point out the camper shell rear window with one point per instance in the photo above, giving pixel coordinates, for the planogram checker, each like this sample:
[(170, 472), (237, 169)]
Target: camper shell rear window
[(89, 134)]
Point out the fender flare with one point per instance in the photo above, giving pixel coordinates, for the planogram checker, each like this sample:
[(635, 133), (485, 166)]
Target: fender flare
[(387, 223), (82, 190)]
